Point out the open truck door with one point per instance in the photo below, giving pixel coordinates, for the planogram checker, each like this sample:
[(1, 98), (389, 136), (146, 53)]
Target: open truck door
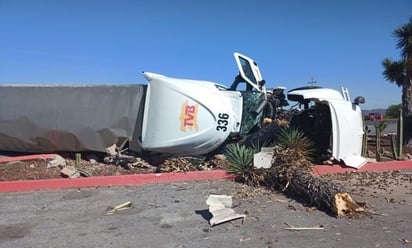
[(347, 133), (249, 72)]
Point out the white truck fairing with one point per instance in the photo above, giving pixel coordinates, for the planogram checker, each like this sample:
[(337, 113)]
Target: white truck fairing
[(188, 116)]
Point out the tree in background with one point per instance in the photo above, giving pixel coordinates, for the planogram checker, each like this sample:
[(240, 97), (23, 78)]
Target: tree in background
[(400, 72), (393, 110)]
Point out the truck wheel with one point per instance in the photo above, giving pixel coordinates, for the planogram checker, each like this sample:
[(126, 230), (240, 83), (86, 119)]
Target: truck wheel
[(261, 137)]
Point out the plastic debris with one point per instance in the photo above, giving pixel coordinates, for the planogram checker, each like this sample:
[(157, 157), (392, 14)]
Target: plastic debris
[(121, 207), (263, 159), (220, 206), (70, 172)]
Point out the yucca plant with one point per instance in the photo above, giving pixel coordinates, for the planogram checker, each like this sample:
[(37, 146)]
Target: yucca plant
[(294, 139), (241, 164), (240, 157)]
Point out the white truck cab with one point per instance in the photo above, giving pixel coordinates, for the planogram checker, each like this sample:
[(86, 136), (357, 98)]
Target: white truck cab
[(332, 121), (193, 117)]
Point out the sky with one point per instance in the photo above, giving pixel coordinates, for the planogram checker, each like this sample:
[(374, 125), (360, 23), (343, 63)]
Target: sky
[(335, 43)]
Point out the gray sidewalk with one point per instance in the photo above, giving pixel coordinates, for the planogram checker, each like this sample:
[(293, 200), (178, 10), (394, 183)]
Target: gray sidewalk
[(175, 215)]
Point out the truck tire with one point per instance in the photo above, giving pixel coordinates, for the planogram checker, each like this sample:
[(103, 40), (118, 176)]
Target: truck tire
[(263, 136)]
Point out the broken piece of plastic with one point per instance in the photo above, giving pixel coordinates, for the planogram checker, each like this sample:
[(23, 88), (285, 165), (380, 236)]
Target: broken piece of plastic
[(70, 172), (220, 206)]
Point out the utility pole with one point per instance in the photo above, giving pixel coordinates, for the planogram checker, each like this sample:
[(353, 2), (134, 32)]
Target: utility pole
[(312, 82)]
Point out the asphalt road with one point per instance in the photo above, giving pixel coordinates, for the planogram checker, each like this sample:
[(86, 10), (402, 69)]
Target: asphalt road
[(392, 126), (175, 215)]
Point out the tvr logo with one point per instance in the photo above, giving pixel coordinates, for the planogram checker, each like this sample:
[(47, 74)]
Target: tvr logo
[(188, 117)]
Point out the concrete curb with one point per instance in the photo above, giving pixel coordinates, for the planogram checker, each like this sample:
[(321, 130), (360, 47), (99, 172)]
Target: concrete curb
[(381, 166), (110, 181)]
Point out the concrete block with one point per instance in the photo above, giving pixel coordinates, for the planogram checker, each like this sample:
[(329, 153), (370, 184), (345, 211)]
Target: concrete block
[(70, 172), (263, 160), (57, 161)]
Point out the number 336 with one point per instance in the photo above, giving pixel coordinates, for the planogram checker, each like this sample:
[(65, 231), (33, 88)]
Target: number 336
[(222, 122)]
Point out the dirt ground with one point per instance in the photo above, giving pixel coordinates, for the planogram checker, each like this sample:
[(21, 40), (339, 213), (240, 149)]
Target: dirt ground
[(390, 186), (386, 149), (94, 166), (37, 169)]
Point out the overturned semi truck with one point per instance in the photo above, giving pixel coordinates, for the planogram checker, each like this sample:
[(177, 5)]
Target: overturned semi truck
[(172, 116)]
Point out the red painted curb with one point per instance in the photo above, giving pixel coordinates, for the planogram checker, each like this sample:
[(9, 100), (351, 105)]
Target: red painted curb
[(108, 181), (379, 166), (139, 179)]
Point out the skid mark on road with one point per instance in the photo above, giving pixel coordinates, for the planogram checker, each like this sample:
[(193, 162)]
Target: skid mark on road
[(14, 231)]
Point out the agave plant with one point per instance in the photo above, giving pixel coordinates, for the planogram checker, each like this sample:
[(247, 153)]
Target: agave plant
[(241, 164), (240, 157), (294, 139)]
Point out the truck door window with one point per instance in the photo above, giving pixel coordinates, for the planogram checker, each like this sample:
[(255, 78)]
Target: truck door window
[(247, 70)]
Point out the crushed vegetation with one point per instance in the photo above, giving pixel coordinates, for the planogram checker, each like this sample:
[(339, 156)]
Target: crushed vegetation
[(290, 172)]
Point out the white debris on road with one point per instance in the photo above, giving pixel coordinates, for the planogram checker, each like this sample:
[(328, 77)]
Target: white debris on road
[(220, 208)]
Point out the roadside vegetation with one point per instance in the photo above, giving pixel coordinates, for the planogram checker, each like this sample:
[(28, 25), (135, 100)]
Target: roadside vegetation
[(399, 72), (392, 112), (290, 172)]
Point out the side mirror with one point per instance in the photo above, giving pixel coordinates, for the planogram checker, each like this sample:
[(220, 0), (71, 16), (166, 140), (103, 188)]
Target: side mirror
[(359, 100), (261, 83)]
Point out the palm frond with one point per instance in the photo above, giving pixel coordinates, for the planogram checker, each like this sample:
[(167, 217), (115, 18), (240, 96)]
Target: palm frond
[(394, 71), (404, 36)]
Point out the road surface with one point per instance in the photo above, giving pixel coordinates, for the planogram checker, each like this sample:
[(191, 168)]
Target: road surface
[(176, 215), (391, 126)]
